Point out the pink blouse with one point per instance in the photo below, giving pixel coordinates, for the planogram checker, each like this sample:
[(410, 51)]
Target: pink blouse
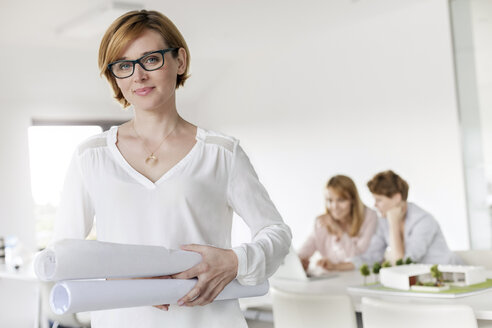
[(345, 248)]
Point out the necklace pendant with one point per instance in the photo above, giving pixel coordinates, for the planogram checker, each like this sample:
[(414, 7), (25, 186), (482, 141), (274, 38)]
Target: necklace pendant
[(151, 160)]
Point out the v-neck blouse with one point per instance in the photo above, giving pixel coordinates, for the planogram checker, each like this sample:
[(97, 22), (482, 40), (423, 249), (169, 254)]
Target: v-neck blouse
[(112, 138), (193, 202)]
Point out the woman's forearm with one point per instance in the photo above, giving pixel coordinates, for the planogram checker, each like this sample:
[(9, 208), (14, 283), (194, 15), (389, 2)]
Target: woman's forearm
[(397, 248), (344, 266)]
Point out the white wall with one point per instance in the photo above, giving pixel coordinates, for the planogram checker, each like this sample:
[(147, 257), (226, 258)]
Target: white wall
[(353, 97)]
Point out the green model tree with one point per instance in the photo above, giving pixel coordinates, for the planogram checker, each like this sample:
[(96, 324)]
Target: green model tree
[(376, 267), (436, 274), (408, 261), (386, 264), (399, 262), (364, 270)]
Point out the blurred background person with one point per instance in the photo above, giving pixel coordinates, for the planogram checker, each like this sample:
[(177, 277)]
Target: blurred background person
[(404, 229), (344, 231)]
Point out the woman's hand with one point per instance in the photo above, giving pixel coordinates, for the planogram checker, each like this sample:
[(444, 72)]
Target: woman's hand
[(328, 265), (217, 268), (325, 264), (396, 217), (396, 214)]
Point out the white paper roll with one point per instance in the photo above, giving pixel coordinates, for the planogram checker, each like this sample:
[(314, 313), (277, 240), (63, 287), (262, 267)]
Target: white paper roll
[(92, 295), (89, 259)]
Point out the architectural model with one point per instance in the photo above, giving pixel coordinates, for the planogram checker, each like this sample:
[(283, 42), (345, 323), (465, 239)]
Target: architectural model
[(405, 276)]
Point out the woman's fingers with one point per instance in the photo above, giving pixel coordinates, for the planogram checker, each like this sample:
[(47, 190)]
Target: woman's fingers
[(197, 269), (205, 294), (206, 298), (156, 277), (192, 295), (188, 274), (193, 248), (325, 264), (164, 307), (217, 269)]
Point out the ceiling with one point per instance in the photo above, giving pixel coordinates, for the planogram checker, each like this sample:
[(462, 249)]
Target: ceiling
[(217, 31), (213, 27)]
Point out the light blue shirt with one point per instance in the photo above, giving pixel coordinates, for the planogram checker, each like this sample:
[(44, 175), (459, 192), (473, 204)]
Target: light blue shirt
[(423, 239)]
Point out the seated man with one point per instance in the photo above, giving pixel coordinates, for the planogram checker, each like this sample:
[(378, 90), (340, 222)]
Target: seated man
[(404, 230)]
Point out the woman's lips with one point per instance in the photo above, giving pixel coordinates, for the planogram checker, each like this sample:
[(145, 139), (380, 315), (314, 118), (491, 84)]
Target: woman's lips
[(143, 91)]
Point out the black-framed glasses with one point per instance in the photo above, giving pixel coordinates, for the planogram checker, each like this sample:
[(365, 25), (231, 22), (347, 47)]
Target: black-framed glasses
[(124, 68)]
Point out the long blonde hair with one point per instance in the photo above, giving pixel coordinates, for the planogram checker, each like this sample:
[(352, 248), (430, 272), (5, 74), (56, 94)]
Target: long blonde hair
[(345, 187)]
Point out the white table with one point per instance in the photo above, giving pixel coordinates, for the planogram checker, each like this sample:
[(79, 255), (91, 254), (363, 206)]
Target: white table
[(480, 303), (24, 274)]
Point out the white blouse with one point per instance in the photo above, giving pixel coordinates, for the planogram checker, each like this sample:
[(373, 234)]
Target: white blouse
[(191, 203)]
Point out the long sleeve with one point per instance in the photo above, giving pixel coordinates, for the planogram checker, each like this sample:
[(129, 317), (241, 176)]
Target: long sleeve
[(375, 251), (271, 237), (418, 242), (309, 246), (424, 241), (76, 213)]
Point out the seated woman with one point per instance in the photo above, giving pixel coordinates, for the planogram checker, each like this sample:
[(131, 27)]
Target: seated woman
[(405, 230), (344, 231)]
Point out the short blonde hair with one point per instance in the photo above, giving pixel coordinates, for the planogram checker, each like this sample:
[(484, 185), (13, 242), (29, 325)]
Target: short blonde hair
[(345, 188), (127, 28)]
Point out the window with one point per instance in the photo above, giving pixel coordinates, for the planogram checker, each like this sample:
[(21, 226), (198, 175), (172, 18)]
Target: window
[(50, 150), (471, 38)]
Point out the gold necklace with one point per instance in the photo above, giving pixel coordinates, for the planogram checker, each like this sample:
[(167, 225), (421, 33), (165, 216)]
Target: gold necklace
[(152, 159)]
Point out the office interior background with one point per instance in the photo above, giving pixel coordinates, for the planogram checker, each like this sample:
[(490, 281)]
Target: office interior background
[(312, 89)]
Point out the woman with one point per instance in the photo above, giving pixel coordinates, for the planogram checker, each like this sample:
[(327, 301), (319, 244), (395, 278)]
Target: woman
[(159, 180), (405, 230), (344, 231)]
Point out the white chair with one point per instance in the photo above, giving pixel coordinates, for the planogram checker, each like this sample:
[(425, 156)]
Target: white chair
[(383, 314), (293, 310), (482, 257)]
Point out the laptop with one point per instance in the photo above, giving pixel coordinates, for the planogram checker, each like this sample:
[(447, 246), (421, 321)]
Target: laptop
[(291, 269)]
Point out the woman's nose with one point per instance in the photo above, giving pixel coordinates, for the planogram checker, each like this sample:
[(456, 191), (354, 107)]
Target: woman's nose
[(139, 74)]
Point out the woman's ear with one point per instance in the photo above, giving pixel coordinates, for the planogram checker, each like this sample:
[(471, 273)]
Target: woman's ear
[(182, 61), (396, 198)]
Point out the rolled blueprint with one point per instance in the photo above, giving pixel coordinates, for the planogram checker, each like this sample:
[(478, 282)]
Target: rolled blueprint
[(92, 295), (89, 259)]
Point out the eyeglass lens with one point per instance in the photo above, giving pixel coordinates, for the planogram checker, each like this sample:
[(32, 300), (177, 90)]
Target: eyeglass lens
[(150, 62)]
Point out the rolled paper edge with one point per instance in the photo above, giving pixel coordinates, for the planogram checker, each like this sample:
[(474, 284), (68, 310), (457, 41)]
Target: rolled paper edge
[(45, 265), (60, 298), (50, 267)]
